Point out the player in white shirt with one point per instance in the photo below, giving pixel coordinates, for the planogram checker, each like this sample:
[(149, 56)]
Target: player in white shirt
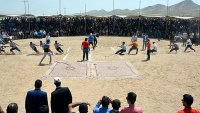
[(123, 48), (2, 48), (134, 37), (33, 46), (13, 46), (155, 47), (189, 45), (58, 48)]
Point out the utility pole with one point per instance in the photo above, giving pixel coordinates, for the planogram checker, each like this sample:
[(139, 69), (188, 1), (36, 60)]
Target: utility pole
[(64, 11), (113, 7), (25, 5)]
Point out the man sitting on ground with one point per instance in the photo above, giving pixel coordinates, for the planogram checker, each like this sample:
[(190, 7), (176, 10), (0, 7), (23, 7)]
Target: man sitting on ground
[(155, 47)]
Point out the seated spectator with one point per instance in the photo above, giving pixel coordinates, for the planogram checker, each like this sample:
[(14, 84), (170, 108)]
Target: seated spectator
[(116, 104), (123, 49), (105, 101), (83, 107), (155, 47), (1, 110), (187, 102), (44, 109), (131, 98), (12, 108)]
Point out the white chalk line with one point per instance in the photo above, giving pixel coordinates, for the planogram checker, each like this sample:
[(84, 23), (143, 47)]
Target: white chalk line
[(64, 58), (90, 55), (115, 52)]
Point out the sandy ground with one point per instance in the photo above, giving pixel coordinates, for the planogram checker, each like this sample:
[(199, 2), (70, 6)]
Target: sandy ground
[(164, 79)]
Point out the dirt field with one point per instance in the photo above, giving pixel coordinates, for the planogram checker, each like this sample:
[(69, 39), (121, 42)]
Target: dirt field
[(162, 82)]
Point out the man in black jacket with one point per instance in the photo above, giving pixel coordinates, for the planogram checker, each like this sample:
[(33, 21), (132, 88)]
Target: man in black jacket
[(60, 98)]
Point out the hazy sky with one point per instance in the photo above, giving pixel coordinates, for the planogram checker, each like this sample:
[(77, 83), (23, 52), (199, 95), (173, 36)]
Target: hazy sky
[(51, 7)]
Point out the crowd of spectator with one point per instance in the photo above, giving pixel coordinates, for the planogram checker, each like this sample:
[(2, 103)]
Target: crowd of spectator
[(75, 26), (61, 102)]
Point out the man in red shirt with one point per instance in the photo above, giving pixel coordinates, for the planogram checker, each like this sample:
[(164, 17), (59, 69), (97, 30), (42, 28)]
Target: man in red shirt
[(85, 48), (148, 49), (187, 102)]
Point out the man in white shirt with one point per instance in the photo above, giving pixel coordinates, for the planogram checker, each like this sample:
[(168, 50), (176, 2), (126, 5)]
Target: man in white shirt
[(48, 38), (189, 45), (33, 46), (155, 47), (13, 46), (134, 37), (123, 48)]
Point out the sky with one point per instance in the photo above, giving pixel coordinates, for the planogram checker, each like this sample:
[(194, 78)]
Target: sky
[(69, 7)]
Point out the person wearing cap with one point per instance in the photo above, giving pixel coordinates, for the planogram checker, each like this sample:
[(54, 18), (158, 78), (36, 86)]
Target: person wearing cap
[(174, 47), (187, 102), (131, 98), (60, 98), (105, 101), (35, 98), (83, 107)]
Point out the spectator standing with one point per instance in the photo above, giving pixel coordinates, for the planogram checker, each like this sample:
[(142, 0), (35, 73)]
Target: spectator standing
[(105, 101), (60, 98), (35, 98), (134, 37), (187, 102), (131, 98), (48, 37), (144, 41), (12, 108), (95, 39), (116, 104)]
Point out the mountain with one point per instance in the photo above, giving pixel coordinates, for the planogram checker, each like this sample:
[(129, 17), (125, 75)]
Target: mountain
[(184, 8)]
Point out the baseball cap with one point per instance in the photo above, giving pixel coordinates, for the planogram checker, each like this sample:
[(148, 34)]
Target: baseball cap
[(83, 108), (57, 79)]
